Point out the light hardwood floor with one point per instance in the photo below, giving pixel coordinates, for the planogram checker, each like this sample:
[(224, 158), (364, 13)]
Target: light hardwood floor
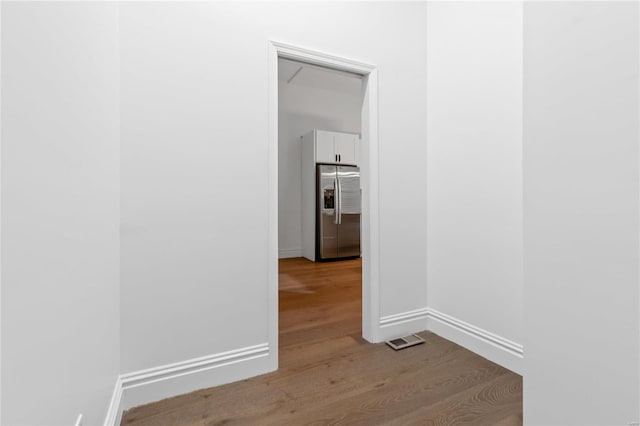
[(329, 375)]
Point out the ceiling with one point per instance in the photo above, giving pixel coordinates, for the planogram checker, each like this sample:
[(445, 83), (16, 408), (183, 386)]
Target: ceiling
[(299, 73)]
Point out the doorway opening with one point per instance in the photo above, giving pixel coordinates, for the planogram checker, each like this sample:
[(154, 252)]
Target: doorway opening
[(319, 206), (315, 97)]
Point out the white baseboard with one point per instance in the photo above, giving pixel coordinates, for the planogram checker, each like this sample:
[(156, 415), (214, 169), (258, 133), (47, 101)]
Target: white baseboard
[(114, 413), (402, 324), (287, 253), (154, 384), (486, 344), (495, 348)]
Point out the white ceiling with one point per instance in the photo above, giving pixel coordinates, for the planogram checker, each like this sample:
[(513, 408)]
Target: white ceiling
[(318, 77)]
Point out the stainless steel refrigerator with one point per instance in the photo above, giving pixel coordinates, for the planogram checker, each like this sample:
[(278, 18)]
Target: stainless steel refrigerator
[(338, 212)]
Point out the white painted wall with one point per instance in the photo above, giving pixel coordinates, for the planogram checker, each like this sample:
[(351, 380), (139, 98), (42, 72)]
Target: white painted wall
[(194, 89), (581, 213), (60, 219), (194, 257), (474, 169), (314, 99)]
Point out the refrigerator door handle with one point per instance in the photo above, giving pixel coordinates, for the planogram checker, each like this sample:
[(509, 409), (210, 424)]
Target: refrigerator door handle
[(339, 201), (337, 195)]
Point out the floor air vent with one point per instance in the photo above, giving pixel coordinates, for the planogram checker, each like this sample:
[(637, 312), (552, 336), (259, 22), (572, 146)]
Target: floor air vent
[(405, 342)]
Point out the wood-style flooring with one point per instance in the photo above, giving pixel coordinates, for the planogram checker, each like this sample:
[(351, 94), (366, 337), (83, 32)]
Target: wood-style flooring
[(329, 375)]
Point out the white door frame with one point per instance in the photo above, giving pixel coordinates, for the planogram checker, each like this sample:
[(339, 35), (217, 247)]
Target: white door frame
[(369, 180)]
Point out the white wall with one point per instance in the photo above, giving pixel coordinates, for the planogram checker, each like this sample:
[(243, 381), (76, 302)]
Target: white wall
[(474, 169), (193, 179), (310, 101), (581, 213), (60, 219), (194, 87)]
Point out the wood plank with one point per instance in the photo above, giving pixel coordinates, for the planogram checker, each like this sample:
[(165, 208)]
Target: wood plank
[(489, 403)]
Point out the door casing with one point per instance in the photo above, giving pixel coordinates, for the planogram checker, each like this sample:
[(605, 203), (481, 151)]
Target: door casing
[(369, 171)]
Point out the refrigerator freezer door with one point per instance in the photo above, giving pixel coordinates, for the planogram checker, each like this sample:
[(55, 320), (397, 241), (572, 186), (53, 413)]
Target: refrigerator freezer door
[(328, 200), (349, 211), (349, 236)]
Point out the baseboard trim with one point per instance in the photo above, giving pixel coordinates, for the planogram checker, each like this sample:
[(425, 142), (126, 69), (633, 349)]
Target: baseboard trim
[(494, 339), (153, 384), (165, 372), (114, 414), (404, 317), (495, 348), (392, 326), (287, 253), (486, 344)]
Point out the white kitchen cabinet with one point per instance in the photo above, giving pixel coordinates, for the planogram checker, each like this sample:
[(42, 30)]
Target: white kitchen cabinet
[(334, 147), (324, 146), (346, 145)]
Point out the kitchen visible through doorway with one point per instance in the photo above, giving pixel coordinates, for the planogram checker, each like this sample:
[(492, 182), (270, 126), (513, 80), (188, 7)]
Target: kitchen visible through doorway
[(319, 203)]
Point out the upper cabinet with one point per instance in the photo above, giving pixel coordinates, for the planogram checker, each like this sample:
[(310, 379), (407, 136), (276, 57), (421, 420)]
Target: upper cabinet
[(346, 146), (325, 147), (336, 148)]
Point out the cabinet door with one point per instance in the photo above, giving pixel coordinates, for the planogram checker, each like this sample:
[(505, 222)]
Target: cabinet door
[(346, 148), (325, 149)]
